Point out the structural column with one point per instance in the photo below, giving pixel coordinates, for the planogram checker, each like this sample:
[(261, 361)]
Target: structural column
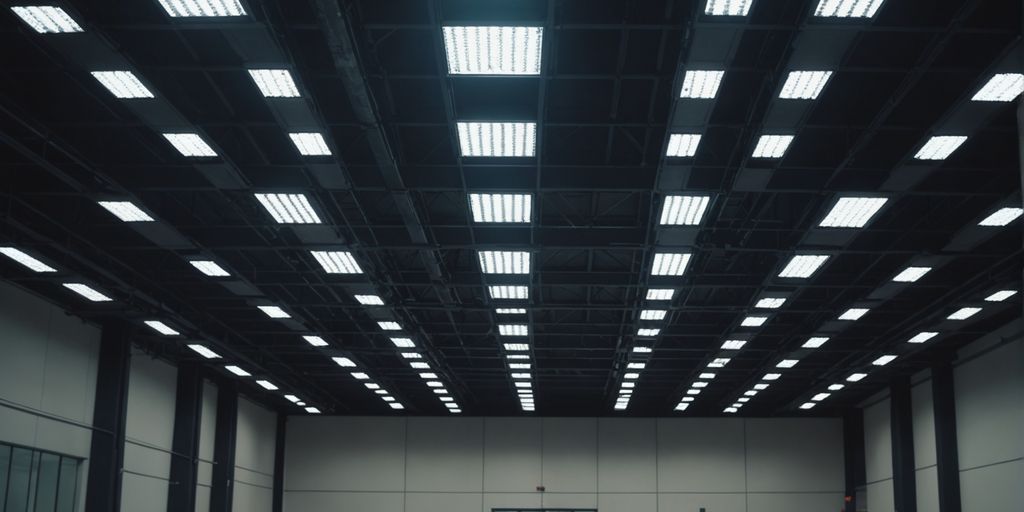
[(185, 445), (947, 457), (103, 483), (853, 456), (282, 423), (903, 475), (223, 481)]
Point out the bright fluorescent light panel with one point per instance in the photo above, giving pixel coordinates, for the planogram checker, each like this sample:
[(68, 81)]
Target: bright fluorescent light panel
[(510, 311), (754, 321), (203, 351), (1000, 295), (190, 145), (727, 7), (390, 326), (47, 19), (853, 314), (647, 333), (1002, 217), (209, 268), (122, 84), (733, 344), (493, 50), (26, 260), (504, 262), (922, 337), (853, 212), (772, 146), (289, 208), (237, 371), (940, 147), (787, 363), (337, 262), (699, 84), (315, 341), (369, 300), (1004, 87), (682, 145), (497, 139), (275, 83), (963, 313), (513, 330), (274, 312), (683, 210), (267, 385), (310, 143), (670, 264), (804, 85), (126, 211), (770, 303), (509, 292), (884, 360), (911, 274), (803, 266), (660, 294), (87, 292), (161, 328), (202, 8), (815, 342), (509, 208), (847, 8)]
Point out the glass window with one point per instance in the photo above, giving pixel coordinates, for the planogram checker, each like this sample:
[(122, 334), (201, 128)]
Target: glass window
[(35, 481), (46, 488), (68, 485), (5, 463), (19, 479)]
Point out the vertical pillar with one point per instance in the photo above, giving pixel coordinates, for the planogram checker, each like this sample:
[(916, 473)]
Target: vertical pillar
[(947, 456), (188, 412), (853, 456), (282, 423), (902, 417), (223, 481), (106, 460)]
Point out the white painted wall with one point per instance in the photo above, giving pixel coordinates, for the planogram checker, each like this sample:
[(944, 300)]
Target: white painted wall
[(343, 464), (255, 442), (923, 423), (207, 435), (149, 433), (878, 457)]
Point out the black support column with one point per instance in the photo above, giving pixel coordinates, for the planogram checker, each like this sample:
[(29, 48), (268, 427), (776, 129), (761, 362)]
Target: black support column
[(947, 457), (188, 412), (103, 491), (853, 456), (282, 423), (222, 487), (901, 421)]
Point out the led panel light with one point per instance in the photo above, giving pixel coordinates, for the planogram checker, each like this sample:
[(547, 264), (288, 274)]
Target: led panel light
[(493, 50), (161, 328), (772, 146), (203, 8), (770, 303), (312, 410), (519, 366), (754, 321), (853, 314), (390, 326), (771, 376), (403, 342), (509, 292), (701, 84), (853, 212), (504, 208), (787, 363), (631, 376), (310, 143), (87, 291), (847, 8), (510, 311), (516, 347), (203, 351), (504, 262), (274, 312), (706, 376), (344, 362), (683, 210), (743, 400), (369, 300), (653, 314), (1000, 296), (804, 85), (237, 371), (647, 333), (513, 330), (856, 377), (292, 398), (1004, 87), (682, 145), (126, 211), (693, 392), (940, 147), (27, 261), (122, 84), (660, 294), (190, 145), (397, 406), (315, 341), (670, 264), (884, 360), (47, 19), (911, 274), (419, 365), (761, 386), (807, 405), (719, 362), (835, 387), (727, 7), (1002, 217), (815, 342), (497, 139), (289, 208), (636, 366), (750, 392), (517, 357), (209, 268), (730, 410), (275, 83), (642, 350), (337, 262), (267, 385), (360, 375), (682, 406), (963, 313), (803, 266)]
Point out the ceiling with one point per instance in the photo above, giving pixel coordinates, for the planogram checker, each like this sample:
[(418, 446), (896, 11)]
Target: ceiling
[(374, 80)]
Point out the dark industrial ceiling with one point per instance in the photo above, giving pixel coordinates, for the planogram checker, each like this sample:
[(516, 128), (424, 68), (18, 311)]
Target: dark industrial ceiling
[(374, 79)]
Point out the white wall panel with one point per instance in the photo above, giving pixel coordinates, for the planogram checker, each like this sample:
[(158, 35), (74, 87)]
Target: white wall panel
[(306, 501), (923, 425), (627, 502), (570, 454), (445, 454), (442, 502), (149, 433), (805, 447), (511, 500), (881, 497), (991, 488), (990, 407), (255, 442), (569, 500), (877, 442), (345, 454), (512, 454), (927, 485), (691, 502), (701, 455), (627, 456), (785, 502)]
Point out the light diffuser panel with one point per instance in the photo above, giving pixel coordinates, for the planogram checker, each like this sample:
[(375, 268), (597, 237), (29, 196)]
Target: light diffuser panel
[(853, 212), (727, 7), (847, 8), (683, 210), (47, 19), (513, 330), (267, 385), (237, 371), (510, 311), (497, 139), (202, 8), (493, 50), (122, 84), (1002, 217), (911, 274), (803, 266), (815, 342), (1003, 87), (804, 85), (660, 294), (647, 333), (310, 143), (787, 363), (754, 321), (315, 341), (274, 312), (390, 326), (853, 314), (922, 337), (337, 262), (506, 208), (733, 344), (204, 351), (669, 264), (289, 208), (770, 303), (504, 262), (1001, 295), (403, 342), (884, 360), (161, 328), (940, 147), (772, 146), (190, 145), (701, 84), (509, 292), (369, 300), (682, 145), (209, 268), (275, 83), (87, 291), (856, 377), (126, 211), (719, 362), (653, 314), (963, 313), (344, 362), (28, 261)]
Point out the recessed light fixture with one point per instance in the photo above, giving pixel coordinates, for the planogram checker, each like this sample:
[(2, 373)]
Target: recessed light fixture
[(203, 8), (660, 294), (682, 406), (209, 268), (274, 312), (203, 351), (517, 357), (636, 365), (699, 384), (683, 210), (26, 260), (519, 366), (126, 211), (504, 208), (190, 145), (312, 410), (517, 347), (87, 291), (369, 300), (719, 362), (509, 292), (771, 376), (237, 371), (1000, 295), (787, 363), (337, 262), (275, 83), (922, 337), (267, 385), (510, 311), (754, 321), (770, 303), (1002, 217), (647, 333), (631, 376), (47, 19), (292, 398), (1004, 87), (940, 147), (122, 84), (856, 377), (396, 406), (853, 212), (161, 328), (847, 8), (310, 143), (701, 84), (682, 145), (653, 314), (836, 387), (803, 266), (504, 262), (642, 350), (403, 342), (706, 376), (419, 365), (344, 362), (911, 274), (360, 375), (493, 50), (815, 342), (963, 313), (289, 208), (807, 405), (772, 146), (853, 314), (761, 386), (804, 85), (750, 392), (884, 360), (693, 392), (670, 264), (730, 410), (390, 326), (315, 341), (727, 7), (513, 330), (497, 139)]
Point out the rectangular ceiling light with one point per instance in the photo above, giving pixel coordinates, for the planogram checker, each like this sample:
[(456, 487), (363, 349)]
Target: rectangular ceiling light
[(237, 371), (390, 326), (719, 362), (815, 342), (683, 210), (274, 312), (670, 264), (516, 347), (506, 208), (122, 84), (267, 385), (884, 360), (493, 50), (504, 262), (26, 260), (653, 314), (87, 291), (853, 314), (190, 145), (510, 311), (126, 211), (727, 7), (807, 405), (202, 8), (922, 337), (312, 410), (370, 300), (1000, 295), (754, 321), (770, 303), (360, 375), (940, 147), (497, 139), (787, 363), (344, 362), (289, 208), (701, 84), (733, 344), (310, 143), (853, 212), (403, 342), (771, 376), (1004, 87), (660, 294), (847, 8), (315, 341), (642, 350), (337, 262), (772, 146), (804, 85), (856, 377), (911, 274), (209, 268), (803, 266), (47, 19), (161, 328), (275, 83), (513, 330), (835, 387), (203, 351), (647, 333), (1002, 217), (682, 145), (820, 396), (761, 386), (963, 313), (509, 292)]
